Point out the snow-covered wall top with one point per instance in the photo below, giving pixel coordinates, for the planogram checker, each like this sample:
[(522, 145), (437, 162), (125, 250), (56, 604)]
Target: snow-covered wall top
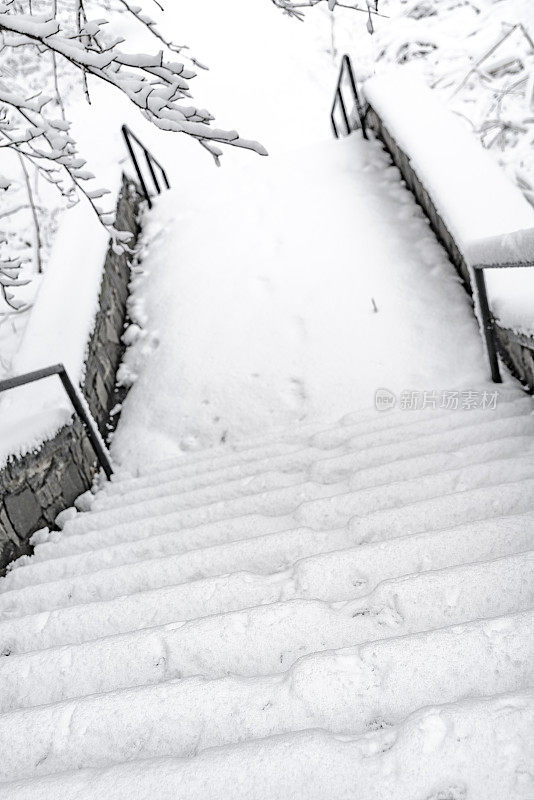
[(471, 192), (488, 216), (515, 248), (60, 464), (58, 331)]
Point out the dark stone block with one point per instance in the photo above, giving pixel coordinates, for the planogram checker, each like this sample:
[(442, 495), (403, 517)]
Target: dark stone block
[(7, 531), (23, 510), (72, 484)]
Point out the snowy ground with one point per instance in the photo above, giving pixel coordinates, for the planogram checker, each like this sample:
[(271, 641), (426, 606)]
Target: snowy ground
[(300, 286)]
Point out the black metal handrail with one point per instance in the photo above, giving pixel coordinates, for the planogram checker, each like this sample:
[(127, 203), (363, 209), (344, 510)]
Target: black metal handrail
[(92, 434), (346, 68), (152, 164), (488, 320)]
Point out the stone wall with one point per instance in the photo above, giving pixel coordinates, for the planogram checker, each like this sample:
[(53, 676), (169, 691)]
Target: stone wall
[(36, 487), (105, 350), (516, 350)]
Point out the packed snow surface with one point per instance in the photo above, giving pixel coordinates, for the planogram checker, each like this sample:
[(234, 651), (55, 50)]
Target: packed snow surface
[(290, 289)]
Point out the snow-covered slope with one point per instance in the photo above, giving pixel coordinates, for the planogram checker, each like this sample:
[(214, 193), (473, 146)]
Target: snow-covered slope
[(337, 611), (289, 291)]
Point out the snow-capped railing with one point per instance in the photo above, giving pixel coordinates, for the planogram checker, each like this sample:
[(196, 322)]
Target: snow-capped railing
[(77, 403), (152, 164), (348, 119)]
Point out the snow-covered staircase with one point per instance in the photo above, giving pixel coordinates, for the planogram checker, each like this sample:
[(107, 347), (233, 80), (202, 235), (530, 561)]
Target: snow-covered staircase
[(331, 612)]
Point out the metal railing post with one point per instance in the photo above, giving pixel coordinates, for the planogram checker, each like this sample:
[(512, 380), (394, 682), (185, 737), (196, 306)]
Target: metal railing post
[(165, 179), (151, 162), (346, 66), (333, 116), (58, 369), (487, 324), (354, 88), (344, 113), (126, 134), (151, 170), (96, 443)]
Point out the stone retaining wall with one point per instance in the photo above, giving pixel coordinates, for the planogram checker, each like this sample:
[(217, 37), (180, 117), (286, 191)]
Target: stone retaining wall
[(36, 487), (516, 350)]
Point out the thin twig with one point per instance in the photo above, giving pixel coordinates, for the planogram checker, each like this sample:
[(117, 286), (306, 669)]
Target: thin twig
[(37, 230)]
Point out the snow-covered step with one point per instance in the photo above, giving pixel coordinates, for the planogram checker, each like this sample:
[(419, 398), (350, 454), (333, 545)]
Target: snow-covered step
[(114, 491), (217, 458), (73, 624), (368, 433), (338, 575), (173, 497), (362, 570), (312, 465), (173, 469), (338, 467), (322, 503), (323, 466), (368, 419), (271, 502), (478, 504), (381, 764), (346, 691), (372, 419), (393, 423), (438, 463), (338, 509), (435, 598), (417, 425), (485, 503), (146, 575), (271, 552), (263, 553), (268, 639), (204, 535), (279, 437), (376, 430)]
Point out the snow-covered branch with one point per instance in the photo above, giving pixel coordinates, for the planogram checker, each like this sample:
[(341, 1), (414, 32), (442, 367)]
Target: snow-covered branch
[(9, 280), (34, 123), (294, 8), (150, 81)]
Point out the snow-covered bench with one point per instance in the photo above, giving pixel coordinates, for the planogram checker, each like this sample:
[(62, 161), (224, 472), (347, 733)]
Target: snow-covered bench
[(477, 211)]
